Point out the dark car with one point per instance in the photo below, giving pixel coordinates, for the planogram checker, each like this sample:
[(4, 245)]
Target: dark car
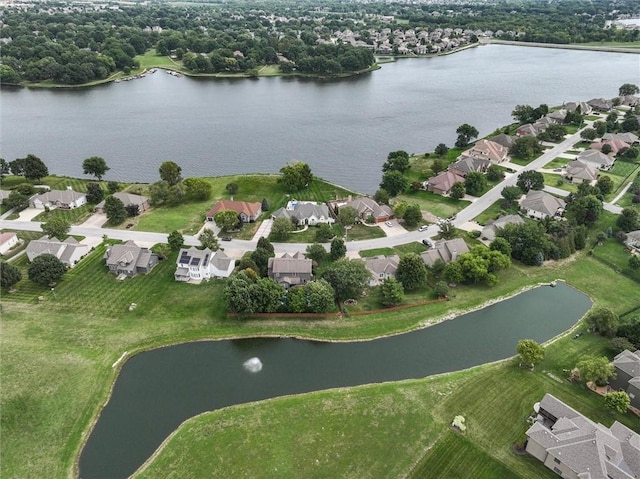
[(427, 243), (226, 238)]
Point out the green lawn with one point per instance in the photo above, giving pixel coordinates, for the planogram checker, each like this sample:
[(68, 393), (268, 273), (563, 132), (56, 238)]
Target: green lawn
[(557, 162), (438, 205), (74, 216), (624, 168), (495, 211), (370, 253), (552, 179), (400, 250)]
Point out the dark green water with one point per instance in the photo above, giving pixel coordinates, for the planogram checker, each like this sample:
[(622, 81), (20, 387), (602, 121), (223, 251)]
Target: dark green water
[(159, 389)]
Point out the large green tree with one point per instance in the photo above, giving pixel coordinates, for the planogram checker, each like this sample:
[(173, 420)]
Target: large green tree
[(526, 148), (465, 133), (530, 180), (170, 172), (530, 352), (338, 249), (618, 401), (208, 239), (31, 167), (95, 194), (394, 182), (197, 189), (603, 321), (46, 269), (9, 275), (281, 229), (397, 161), (175, 240), (475, 183), (227, 220), (628, 89), (596, 369), (115, 210), (57, 227), (348, 278), (295, 176), (628, 220), (412, 215), (95, 166), (412, 272), (391, 292)]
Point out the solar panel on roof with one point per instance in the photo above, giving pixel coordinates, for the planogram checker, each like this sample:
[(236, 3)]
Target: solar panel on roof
[(195, 261)]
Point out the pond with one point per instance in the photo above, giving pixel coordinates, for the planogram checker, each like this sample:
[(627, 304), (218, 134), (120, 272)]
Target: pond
[(159, 389)]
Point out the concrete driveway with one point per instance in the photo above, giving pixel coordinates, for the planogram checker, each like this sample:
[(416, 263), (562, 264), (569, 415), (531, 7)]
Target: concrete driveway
[(28, 214), (96, 220), (394, 230)]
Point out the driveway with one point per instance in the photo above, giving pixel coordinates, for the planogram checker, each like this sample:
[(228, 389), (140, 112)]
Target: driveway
[(394, 230), (263, 230), (28, 214), (96, 220)]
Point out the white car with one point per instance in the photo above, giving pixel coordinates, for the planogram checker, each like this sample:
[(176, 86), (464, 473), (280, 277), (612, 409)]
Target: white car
[(423, 228), (388, 223)]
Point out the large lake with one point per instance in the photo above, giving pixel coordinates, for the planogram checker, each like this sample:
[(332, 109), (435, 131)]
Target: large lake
[(344, 129), (159, 389)]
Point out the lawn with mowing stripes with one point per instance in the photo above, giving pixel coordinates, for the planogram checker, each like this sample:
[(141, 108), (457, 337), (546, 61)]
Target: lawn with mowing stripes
[(73, 216)]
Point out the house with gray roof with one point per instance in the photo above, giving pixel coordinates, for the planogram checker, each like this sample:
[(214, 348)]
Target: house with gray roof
[(489, 231), (129, 259), (381, 268), (367, 207), (504, 140), (575, 447), (64, 199), (572, 106), (142, 202), (596, 158), (539, 204), (579, 172), (69, 251), (489, 150), (469, 164), (600, 104), (305, 213), (290, 270), (442, 183), (632, 240), (627, 137), (445, 251), (528, 130), (627, 378), (195, 265)]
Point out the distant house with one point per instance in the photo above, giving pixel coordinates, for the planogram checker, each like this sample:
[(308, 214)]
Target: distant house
[(627, 378), (629, 100), (367, 207), (582, 106), (445, 251), (557, 116), (290, 270), (248, 212), (596, 159), (579, 172), (575, 447), (142, 202), (69, 251), (600, 104), (632, 240), (616, 144), (528, 130), (627, 137), (442, 183), (381, 268), (305, 213), (129, 259), (489, 150), (7, 241), (504, 140), (197, 265), (539, 204), (469, 164), (489, 231), (64, 199)]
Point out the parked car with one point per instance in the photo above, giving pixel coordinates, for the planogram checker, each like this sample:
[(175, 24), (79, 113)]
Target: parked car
[(423, 228), (388, 223), (427, 243), (226, 238)]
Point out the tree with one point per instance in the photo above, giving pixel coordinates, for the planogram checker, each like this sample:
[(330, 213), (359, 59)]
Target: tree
[(629, 220), (584, 210), (603, 321), (441, 149), (267, 294), (324, 233), (628, 154), (115, 210), (441, 289), (606, 148), (57, 227), (589, 134), (524, 114), (628, 89), (438, 165), (397, 161), (531, 353), (265, 204), (475, 183), (4, 168), (348, 278), (238, 295), (598, 370), (162, 193), (17, 200), (170, 172), (605, 185), (381, 197), (447, 230), (618, 401), (338, 249), (453, 273), (175, 240), (208, 239), (511, 194), (411, 272), (227, 220), (132, 210), (530, 180), (391, 292), (400, 208), (554, 132), (94, 193), (634, 262), (295, 176), (457, 190), (630, 123), (465, 133), (95, 166), (412, 216), (394, 182), (46, 269), (9, 275), (197, 189), (502, 245), (526, 147), (264, 243), (348, 215), (232, 189), (281, 228), (31, 167), (320, 296), (113, 187), (260, 256), (495, 173), (316, 252)]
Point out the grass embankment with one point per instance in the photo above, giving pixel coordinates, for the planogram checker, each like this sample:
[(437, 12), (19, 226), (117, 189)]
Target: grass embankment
[(57, 356)]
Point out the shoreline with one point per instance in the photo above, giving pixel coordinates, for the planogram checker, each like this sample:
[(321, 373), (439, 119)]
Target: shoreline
[(561, 46)]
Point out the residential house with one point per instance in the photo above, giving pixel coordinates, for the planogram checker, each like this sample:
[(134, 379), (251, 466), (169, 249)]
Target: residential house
[(557, 116), (305, 213), (290, 270), (632, 240), (445, 251), (489, 231), (381, 268), (627, 137), (248, 212), (528, 130), (367, 207), (578, 172), (489, 150), (539, 204), (468, 164), (629, 100), (69, 251), (197, 265), (616, 145), (600, 104), (142, 202), (443, 182), (582, 106), (504, 140), (64, 199), (627, 378), (596, 159), (7, 241), (575, 447), (129, 259)]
